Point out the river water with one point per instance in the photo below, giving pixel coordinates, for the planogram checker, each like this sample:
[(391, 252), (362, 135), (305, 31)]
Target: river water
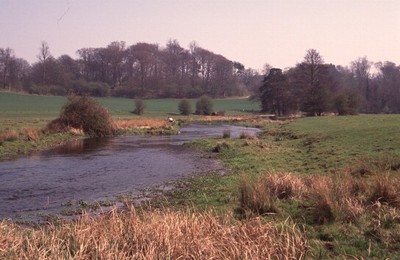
[(91, 170)]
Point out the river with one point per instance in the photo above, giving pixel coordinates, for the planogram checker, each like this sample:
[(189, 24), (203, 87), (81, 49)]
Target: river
[(91, 170)]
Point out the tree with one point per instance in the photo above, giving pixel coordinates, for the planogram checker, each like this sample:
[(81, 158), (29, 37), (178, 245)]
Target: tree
[(388, 84), (184, 107), (275, 95), (204, 106), (315, 94), (361, 70), (43, 56), (139, 106), (5, 61)]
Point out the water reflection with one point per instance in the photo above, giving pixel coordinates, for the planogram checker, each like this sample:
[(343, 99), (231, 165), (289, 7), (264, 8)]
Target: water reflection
[(79, 146)]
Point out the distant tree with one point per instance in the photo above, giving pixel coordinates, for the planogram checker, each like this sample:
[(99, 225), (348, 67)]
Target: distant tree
[(275, 95), (347, 102), (43, 56), (185, 107), (139, 106), (387, 97), (313, 84), (204, 106), (69, 69), (361, 69), (266, 68), (114, 57), (6, 62)]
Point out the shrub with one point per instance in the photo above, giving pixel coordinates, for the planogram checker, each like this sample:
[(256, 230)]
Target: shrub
[(87, 114), (139, 106), (204, 106), (185, 107), (226, 134)]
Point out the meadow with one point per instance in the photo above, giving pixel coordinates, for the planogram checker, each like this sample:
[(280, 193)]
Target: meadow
[(19, 110), (318, 187)]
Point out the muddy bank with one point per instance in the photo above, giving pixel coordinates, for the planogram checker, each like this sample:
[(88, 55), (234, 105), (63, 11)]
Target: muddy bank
[(100, 170)]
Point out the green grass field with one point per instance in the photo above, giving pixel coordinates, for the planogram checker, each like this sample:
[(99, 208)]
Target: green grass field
[(17, 110)]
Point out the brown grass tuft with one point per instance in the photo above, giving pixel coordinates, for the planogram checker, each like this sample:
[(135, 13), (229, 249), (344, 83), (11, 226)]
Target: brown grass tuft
[(9, 136), (32, 134), (385, 191), (260, 196)]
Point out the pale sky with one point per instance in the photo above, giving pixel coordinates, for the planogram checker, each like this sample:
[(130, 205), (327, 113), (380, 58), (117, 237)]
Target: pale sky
[(253, 32)]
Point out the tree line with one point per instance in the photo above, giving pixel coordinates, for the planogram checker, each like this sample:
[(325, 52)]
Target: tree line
[(141, 70), (315, 87), (146, 70)]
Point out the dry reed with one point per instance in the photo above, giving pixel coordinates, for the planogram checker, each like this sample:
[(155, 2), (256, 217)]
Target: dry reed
[(32, 134), (154, 235), (342, 197), (10, 135)]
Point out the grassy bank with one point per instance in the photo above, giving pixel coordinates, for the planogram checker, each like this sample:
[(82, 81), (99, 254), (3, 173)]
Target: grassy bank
[(336, 176)]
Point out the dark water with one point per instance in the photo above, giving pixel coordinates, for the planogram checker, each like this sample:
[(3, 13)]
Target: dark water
[(100, 169)]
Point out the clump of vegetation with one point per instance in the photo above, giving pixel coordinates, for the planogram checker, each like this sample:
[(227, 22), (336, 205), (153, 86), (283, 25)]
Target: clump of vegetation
[(185, 107), (139, 106), (8, 136), (219, 147), (84, 113), (154, 235), (204, 106), (226, 133), (32, 134)]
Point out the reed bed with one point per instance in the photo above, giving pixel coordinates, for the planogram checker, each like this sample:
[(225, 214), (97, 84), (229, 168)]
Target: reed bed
[(156, 234)]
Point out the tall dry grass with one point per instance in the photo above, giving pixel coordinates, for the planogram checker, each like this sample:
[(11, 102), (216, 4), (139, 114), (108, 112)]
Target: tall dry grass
[(10, 135), (342, 197), (28, 134), (259, 196), (32, 134), (160, 234)]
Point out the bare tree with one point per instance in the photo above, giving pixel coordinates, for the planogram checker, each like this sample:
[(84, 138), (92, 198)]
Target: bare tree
[(43, 56), (6, 59), (361, 69)]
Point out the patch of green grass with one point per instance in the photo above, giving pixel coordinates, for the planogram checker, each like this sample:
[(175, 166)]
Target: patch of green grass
[(25, 109)]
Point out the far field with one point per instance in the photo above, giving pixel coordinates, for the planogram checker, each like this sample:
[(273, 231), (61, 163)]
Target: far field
[(19, 110)]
